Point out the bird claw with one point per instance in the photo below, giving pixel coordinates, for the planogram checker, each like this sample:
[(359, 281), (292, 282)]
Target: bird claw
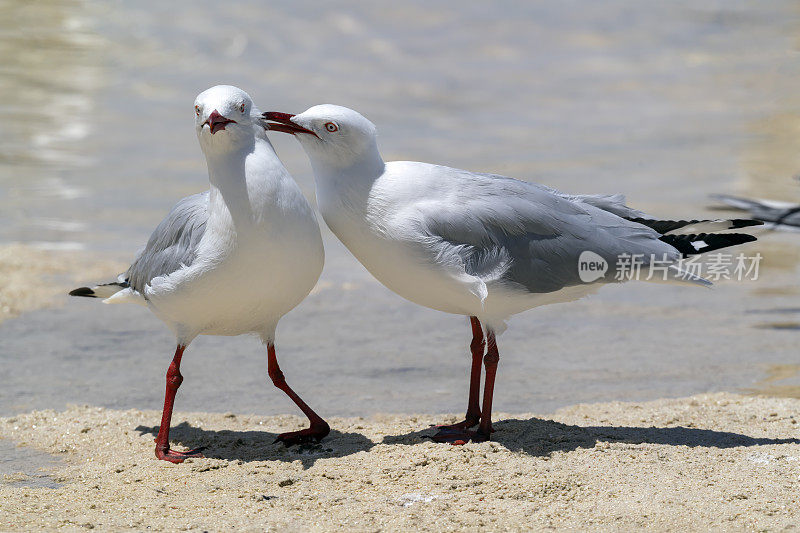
[(303, 436), (175, 456)]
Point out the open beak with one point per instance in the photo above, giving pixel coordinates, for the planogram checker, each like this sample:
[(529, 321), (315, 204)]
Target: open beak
[(217, 122), (283, 122)]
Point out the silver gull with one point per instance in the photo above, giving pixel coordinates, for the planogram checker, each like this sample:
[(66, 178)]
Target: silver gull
[(231, 260), (480, 245)]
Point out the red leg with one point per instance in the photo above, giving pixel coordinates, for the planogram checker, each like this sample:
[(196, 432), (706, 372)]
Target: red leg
[(490, 361), (476, 348), (319, 428), (457, 431), (174, 379)]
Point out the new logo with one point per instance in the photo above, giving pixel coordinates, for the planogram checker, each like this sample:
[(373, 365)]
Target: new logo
[(591, 266)]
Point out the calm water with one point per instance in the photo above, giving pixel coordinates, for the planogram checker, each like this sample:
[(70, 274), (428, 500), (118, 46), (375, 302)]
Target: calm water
[(667, 102)]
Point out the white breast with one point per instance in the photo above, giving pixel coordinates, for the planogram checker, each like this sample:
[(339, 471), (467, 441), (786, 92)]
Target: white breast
[(259, 258), (402, 266)]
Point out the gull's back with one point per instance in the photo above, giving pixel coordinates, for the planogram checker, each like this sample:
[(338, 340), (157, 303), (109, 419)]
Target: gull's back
[(475, 244), (466, 242)]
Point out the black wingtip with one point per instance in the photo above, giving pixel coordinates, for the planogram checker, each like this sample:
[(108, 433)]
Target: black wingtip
[(706, 242), (82, 291), (744, 237), (737, 223), (665, 226)]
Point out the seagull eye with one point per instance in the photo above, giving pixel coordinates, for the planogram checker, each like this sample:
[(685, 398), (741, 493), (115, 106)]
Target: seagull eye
[(331, 127), (197, 110), (241, 108)]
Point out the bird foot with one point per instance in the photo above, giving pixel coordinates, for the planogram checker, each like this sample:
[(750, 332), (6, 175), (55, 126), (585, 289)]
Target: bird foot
[(174, 456), (465, 424), (314, 433), (458, 436)]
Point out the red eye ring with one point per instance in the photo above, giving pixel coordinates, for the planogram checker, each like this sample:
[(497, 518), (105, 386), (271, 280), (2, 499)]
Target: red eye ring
[(241, 108), (331, 127), (197, 110)]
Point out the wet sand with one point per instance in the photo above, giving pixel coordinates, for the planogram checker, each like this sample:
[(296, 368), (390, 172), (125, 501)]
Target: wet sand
[(32, 278), (716, 461)]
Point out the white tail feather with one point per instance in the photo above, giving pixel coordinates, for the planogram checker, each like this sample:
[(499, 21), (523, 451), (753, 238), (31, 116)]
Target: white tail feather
[(125, 296), (106, 290)]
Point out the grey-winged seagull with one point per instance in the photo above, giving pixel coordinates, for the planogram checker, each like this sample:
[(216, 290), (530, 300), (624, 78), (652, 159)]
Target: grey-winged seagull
[(480, 245), (231, 260)]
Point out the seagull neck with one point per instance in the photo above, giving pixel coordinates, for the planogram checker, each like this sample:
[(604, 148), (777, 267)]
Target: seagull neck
[(355, 175), (226, 169), (242, 195)]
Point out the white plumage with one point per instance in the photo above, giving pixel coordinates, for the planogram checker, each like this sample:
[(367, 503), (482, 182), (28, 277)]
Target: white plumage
[(480, 245), (233, 259)]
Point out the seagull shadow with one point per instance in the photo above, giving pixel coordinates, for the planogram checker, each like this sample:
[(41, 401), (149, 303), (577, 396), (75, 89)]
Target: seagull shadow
[(247, 446), (538, 437)]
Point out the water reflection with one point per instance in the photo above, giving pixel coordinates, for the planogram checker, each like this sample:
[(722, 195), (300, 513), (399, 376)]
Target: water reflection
[(624, 96), (52, 69)]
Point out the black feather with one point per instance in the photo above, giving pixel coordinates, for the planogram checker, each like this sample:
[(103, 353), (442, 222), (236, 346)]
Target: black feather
[(89, 293), (82, 291), (665, 226), (685, 244), (745, 223)]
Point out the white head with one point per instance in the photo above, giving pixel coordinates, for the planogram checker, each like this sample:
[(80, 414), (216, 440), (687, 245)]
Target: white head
[(225, 118), (330, 134)]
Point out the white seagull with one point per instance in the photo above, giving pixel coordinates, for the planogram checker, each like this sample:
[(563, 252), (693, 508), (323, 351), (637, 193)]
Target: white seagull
[(479, 245), (233, 259)]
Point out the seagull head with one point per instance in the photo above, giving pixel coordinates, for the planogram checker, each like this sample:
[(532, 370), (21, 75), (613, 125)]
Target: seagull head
[(225, 117), (330, 134)]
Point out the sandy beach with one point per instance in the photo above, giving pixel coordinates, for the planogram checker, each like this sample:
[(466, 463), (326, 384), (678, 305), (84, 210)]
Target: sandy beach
[(716, 461)]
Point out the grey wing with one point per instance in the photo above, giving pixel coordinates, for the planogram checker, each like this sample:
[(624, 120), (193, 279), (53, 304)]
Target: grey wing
[(507, 230), (613, 203), (174, 242)]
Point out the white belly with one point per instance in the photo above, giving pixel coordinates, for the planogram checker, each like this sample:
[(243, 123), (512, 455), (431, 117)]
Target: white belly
[(246, 289), (405, 270), (402, 268)]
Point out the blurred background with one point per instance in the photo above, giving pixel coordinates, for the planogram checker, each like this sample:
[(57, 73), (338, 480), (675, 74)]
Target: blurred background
[(667, 102)]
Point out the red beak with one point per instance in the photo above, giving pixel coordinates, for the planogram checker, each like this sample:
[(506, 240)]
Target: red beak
[(217, 122), (283, 122)]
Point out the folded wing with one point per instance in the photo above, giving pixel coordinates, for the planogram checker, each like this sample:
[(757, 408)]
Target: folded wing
[(173, 244), (527, 236)]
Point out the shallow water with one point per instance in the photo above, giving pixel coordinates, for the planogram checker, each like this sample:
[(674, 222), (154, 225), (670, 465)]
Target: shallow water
[(26, 467), (667, 102)]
